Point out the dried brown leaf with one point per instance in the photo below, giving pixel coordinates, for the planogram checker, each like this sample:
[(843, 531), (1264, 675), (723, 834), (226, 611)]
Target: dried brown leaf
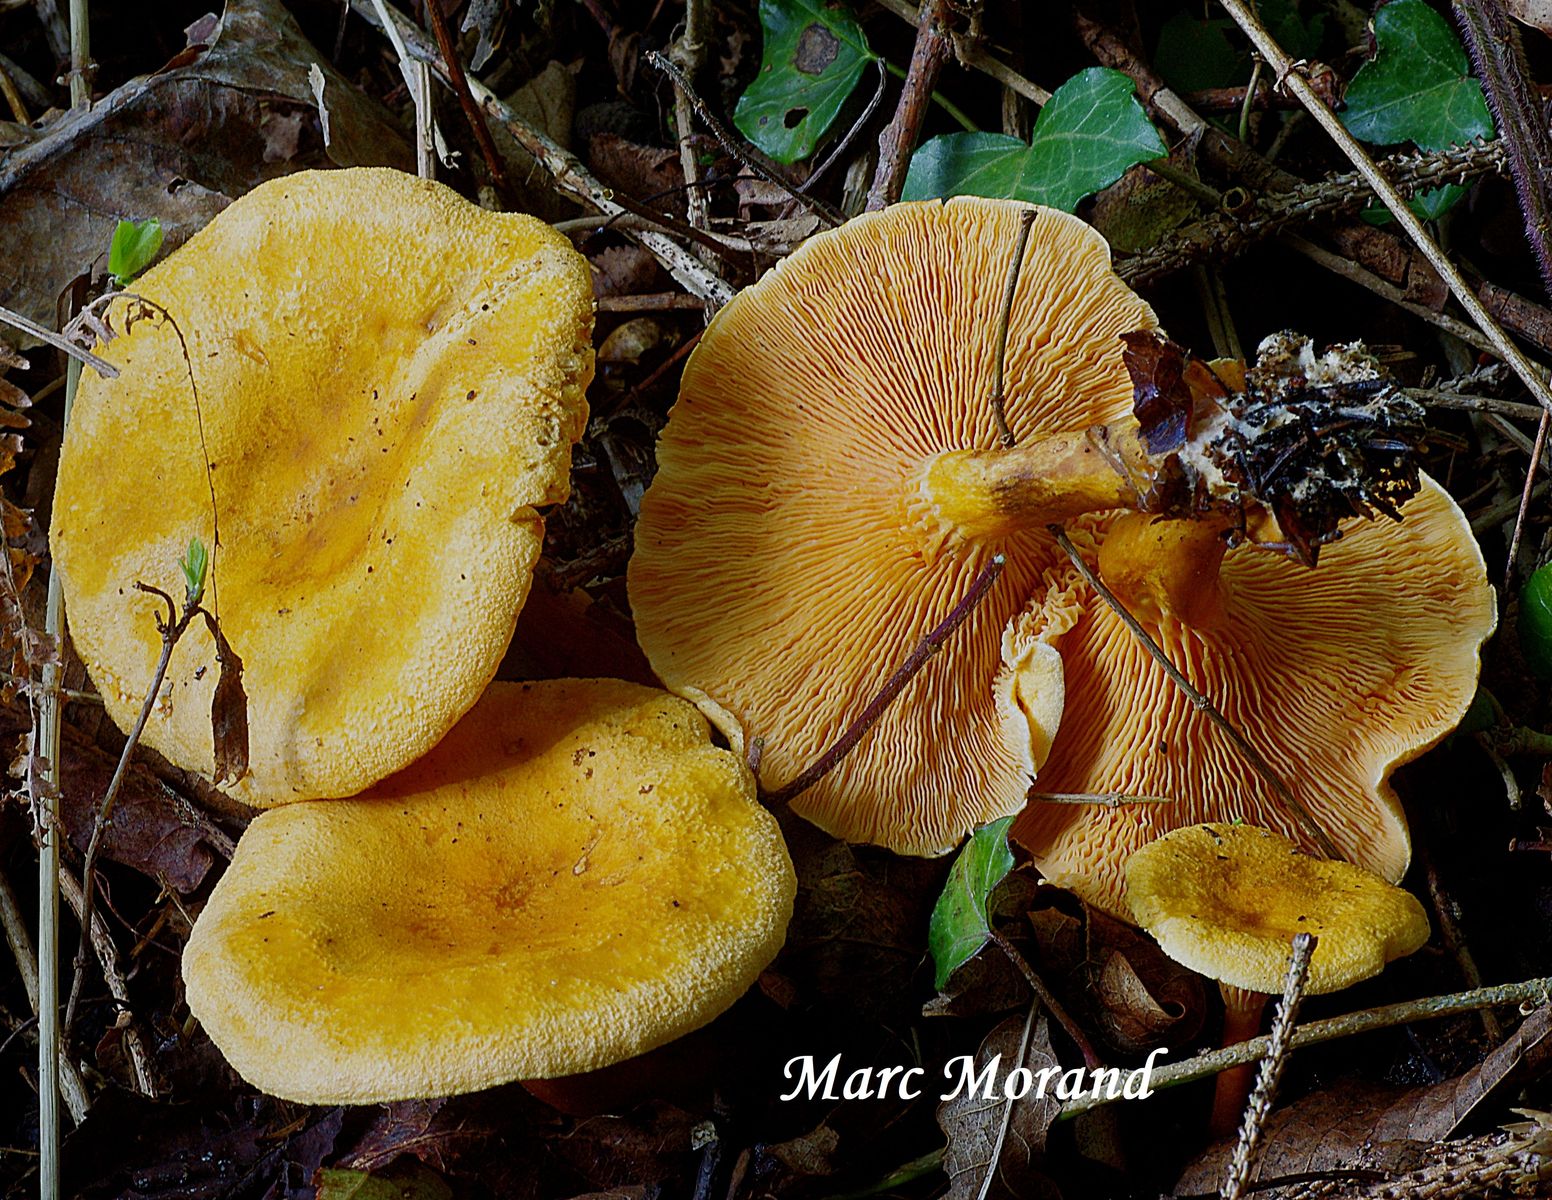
[(994, 1144), (178, 145)]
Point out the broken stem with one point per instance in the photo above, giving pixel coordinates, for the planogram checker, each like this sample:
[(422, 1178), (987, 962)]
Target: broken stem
[(933, 49), (1103, 799), (64, 345), (1203, 1065), (999, 411), (893, 686), (1202, 703)]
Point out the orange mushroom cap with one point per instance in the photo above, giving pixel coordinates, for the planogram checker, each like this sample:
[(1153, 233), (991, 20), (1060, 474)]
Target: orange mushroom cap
[(573, 876), (390, 380), (786, 558), (1337, 674)]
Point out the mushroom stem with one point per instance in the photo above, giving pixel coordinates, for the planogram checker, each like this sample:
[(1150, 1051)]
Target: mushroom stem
[(1242, 1011), (986, 494)]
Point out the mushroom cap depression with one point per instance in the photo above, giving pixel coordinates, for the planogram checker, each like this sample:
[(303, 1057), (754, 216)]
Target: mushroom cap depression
[(1227, 901), (575, 875), (785, 560), (390, 379), (1336, 674)]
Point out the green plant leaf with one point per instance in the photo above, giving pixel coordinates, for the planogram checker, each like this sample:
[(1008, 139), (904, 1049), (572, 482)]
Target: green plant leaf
[(814, 54), (1298, 37), (413, 1181), (1086, 137), (134, 245), (1535, 622), (1418, 87), (194, 564), (1193, 54), (959, 925)]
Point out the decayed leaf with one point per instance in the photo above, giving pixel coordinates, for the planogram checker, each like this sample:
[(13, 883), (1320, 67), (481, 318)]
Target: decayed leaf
[(1088, 134), (177, 145), (413, 1181), (994, 1143), (1536, 13), (228, 711), (814, 54)]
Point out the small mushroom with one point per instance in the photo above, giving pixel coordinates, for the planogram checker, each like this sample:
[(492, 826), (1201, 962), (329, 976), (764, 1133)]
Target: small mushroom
[(389, 381), (573, 876), (1228, 900)]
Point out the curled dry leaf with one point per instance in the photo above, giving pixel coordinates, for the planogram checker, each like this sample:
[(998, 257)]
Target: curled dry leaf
[(996, 1137)]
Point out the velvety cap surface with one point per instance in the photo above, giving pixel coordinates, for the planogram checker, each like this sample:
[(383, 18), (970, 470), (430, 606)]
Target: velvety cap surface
[(1228, 900), (390, 380), (575, 875)]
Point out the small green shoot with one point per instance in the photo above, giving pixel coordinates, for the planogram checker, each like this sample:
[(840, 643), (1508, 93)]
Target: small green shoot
[(194, 565), (1086, 137), (135, 244), (960, 925), (814, 54)]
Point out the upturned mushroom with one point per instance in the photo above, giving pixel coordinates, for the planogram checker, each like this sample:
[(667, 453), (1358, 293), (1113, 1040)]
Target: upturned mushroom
[(388, 381), (1227, 900), (573, 876), (830, 485)]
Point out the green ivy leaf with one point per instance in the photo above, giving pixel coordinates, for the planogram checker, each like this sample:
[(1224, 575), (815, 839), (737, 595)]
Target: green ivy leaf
[(134, 245), (1418, 87), (814, 54), (1086, 137), (1193, 55), (959, 925), (1298, 37), (194, 565), (1535, 622)]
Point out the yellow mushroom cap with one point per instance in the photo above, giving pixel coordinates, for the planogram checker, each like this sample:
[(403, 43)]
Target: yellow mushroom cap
[(785, 561), (1227, 901), (575, 875), (1337, 675), (390, 380)]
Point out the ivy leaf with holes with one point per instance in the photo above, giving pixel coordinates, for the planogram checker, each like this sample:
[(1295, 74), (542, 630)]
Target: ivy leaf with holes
[(960, 925), (1088, 134), (1417, 88), (815, 52)]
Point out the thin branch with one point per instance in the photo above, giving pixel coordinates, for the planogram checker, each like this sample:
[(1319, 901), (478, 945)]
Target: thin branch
[(1525, 498), (999, 410), (688, 53), (1103, 799), (472, 112), (70, 1084), (63, 344), (893, 686), (1435, 398), (749, 156), (1265, 1093), (570, 176), (1052, 1004), (973, 56), (1202, 703), (931, 53), (1289, 76), (171, 630), (1532, 991)]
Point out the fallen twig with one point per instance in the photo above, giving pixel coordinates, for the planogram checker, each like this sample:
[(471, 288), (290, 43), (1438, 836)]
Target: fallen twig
[(932, 51), (1261, 1099), (570, 176), (1052, 1005), (1290, 76), (459, 81), (1532, 991), (893, 686)]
